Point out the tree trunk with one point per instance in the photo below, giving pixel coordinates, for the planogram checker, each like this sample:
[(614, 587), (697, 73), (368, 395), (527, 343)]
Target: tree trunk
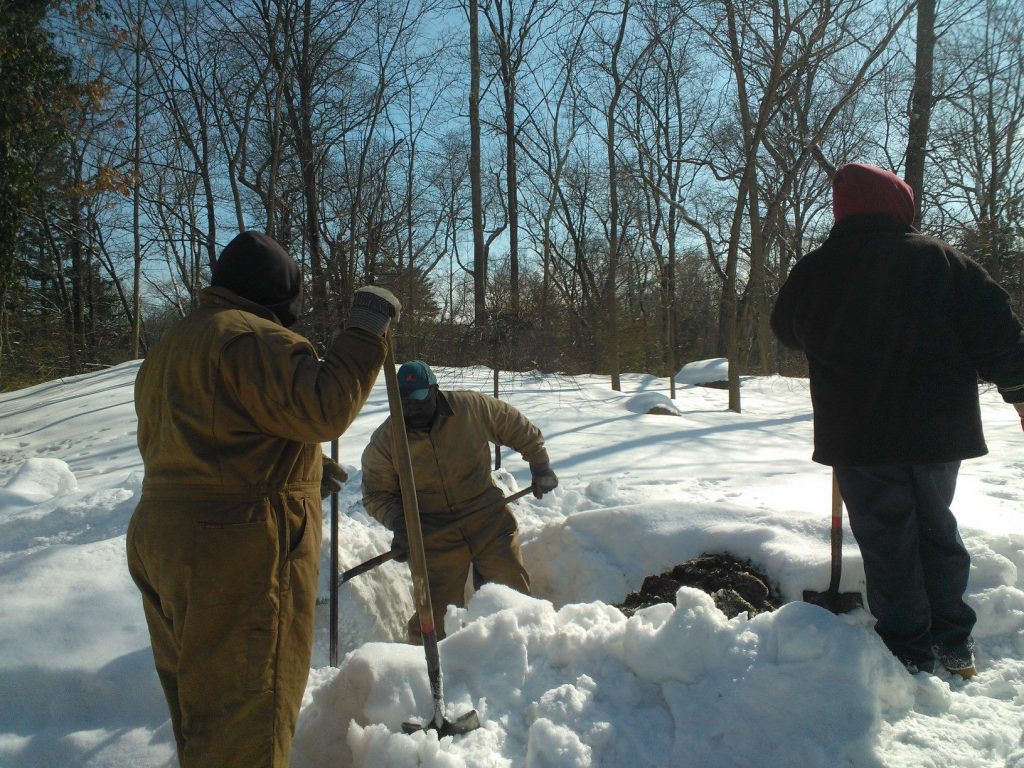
[(309, 181), (670, 306), (759, 282), (136, 194), (479, 249), (921, 103), (512, 173), (611, 284)]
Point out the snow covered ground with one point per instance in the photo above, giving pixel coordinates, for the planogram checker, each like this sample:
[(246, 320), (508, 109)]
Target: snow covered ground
[(562, 679)]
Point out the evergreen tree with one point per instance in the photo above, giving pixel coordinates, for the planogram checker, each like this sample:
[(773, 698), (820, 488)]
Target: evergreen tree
[(37, 91)]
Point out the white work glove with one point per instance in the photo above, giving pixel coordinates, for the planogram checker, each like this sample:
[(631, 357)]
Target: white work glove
[(373, 309)]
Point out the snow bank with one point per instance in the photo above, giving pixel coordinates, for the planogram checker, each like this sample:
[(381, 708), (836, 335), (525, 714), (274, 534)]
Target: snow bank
[(38, 480), (585, 686), (704, 371), (653, 403)]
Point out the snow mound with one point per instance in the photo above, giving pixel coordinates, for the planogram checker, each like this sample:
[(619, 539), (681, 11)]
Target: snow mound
[(654, 403), (704, 371), (586, 686), (38, 480)]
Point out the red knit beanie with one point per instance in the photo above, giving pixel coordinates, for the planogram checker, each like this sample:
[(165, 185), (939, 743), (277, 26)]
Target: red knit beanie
[(861, 188)]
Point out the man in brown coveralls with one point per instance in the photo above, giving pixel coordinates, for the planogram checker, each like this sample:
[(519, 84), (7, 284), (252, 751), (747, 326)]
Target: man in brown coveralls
[(225, 542), (449, 442)]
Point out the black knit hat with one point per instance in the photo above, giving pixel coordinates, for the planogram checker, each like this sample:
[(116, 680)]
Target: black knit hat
[(257, 268)]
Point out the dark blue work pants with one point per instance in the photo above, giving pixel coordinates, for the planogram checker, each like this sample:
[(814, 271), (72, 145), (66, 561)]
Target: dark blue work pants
[(915, 563)]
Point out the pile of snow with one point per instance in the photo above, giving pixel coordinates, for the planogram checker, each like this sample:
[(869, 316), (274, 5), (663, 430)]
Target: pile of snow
[(562, 678), (655, 403), (584, 686), (38, 480), (713, 371)]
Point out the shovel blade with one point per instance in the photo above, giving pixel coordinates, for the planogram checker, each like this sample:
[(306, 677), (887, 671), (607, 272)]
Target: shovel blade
[(837, 602), (461, 725)]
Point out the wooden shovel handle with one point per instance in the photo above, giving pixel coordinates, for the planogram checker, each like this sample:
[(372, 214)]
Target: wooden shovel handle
[(836, 536)]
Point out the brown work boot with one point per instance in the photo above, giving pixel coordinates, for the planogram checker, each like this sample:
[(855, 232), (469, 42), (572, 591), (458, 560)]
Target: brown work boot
[(964, 672), (958, 660)]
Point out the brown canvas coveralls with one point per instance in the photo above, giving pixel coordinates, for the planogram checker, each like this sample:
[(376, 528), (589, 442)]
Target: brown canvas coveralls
[(452, 467), (225, 542)]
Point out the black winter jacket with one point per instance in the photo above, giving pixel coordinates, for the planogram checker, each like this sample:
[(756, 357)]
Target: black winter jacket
[(897, 326)]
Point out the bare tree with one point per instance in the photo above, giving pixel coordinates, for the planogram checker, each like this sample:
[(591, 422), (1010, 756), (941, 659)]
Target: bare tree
[(670, 102), (549, 132), (768, 48), (619, 71), (514, 30), (181, 61), (475, 180), (979, 141), (921, 102)]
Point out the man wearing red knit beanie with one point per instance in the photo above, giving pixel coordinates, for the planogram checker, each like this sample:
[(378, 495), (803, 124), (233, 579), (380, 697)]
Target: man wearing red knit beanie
[(897, 327)]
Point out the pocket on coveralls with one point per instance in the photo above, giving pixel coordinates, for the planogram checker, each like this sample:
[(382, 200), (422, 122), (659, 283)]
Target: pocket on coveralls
[(234, 561), (234, 569), (303, 560)]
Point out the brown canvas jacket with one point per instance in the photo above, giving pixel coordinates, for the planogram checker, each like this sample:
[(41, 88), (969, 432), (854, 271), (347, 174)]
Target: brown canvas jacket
[(224, 544), (232, 403), (451, 462)]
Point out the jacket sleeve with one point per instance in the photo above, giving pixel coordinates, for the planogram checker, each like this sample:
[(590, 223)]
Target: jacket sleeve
[(990, 332), (507, 426), (382, 492), (786, 311), (287, 391)]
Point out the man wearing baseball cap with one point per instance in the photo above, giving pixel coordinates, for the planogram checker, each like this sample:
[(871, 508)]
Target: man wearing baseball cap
[(450, 433)]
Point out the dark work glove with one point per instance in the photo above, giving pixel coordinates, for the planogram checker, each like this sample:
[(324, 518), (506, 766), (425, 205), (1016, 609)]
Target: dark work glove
[(400, 540), (333, 478), (544, 478), (373, 309)]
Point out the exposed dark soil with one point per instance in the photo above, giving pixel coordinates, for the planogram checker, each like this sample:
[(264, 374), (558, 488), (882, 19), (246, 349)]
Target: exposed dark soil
[(735, 585)]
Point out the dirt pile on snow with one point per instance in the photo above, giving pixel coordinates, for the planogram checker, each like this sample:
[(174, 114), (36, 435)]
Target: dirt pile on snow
[(735, 585)]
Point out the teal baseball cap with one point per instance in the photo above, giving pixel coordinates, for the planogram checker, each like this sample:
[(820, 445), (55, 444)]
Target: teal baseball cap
[(415, 379)]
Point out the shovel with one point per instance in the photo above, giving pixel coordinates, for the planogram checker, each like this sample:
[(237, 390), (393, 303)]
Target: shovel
[(418, 566), (391, 554), (832, 599)]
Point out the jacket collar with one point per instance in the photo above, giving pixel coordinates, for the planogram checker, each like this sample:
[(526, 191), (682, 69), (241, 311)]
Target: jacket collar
[(865, 223), (223, 298), (444, 407)]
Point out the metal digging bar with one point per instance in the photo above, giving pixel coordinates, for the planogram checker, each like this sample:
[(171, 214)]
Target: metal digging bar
[(334, 565), (832, 599), (391, 554), (418, 565)]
